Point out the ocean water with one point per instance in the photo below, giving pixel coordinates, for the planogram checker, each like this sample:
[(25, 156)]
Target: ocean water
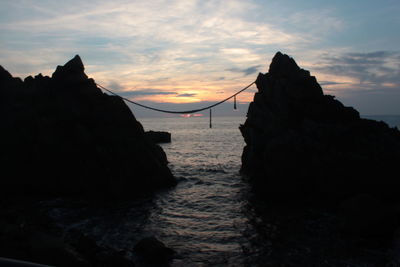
[(206, 218)]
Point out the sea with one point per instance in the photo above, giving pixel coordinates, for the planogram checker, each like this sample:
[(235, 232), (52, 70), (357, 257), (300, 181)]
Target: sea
[(207, 218)]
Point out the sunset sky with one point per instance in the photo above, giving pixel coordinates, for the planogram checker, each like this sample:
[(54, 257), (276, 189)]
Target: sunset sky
[(182, 51)]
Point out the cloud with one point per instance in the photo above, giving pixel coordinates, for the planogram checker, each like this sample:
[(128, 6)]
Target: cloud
[(362, 59), (187, 37), (203, 47), (152, 92), (373, 69), (187, 95), (316, 21), (115, 86), (330, 83), (146, 92), (246, 71)]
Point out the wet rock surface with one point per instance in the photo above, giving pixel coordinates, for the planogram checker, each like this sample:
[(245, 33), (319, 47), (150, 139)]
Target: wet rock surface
[(62, 135)]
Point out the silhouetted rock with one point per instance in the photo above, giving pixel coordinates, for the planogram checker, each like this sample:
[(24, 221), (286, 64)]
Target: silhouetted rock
[(153, 251), (4, 74), (302, 144), (158, 137), (63, 135)]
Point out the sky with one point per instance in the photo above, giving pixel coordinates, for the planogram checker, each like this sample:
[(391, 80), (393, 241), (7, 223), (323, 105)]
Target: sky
[(183, 54)]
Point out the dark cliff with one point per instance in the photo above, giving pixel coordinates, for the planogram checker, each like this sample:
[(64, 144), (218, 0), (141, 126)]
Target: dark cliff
[(62, 135), (302, 144)]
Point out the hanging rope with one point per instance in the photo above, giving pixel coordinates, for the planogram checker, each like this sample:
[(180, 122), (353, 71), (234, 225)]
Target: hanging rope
[(179, 112), (234, 102)]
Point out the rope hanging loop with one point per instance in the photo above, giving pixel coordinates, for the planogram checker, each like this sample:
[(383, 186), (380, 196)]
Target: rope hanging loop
[(176, 112)]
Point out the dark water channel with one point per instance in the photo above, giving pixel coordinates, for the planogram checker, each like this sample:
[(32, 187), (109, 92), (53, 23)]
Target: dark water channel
[(205, 218)]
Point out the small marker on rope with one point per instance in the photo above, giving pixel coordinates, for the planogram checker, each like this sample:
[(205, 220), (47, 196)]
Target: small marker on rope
[(210, 118), (234, 102)]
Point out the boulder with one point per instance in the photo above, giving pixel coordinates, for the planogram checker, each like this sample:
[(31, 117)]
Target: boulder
[(158, 137), (302, 144), (62, 135)]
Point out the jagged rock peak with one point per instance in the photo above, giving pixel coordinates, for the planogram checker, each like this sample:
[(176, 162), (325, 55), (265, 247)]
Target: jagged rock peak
[(4, 74), (75, 64), (282, 64), (73, 67), (286, 80)]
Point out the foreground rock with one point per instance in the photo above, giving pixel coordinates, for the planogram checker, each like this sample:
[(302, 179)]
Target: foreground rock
[(28, 234), (62, 135), (304, 145), (151, 250)]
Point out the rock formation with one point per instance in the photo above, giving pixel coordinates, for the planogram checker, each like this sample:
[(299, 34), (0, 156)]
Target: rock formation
[(158, 136), (62, 135), (302, 144)]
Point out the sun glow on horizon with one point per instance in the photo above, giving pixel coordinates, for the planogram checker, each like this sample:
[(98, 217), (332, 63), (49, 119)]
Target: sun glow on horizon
[(191, 115), (185, 92)]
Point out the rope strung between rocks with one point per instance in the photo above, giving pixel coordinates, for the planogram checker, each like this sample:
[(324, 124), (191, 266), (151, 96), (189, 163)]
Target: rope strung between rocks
[(184, 111)]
